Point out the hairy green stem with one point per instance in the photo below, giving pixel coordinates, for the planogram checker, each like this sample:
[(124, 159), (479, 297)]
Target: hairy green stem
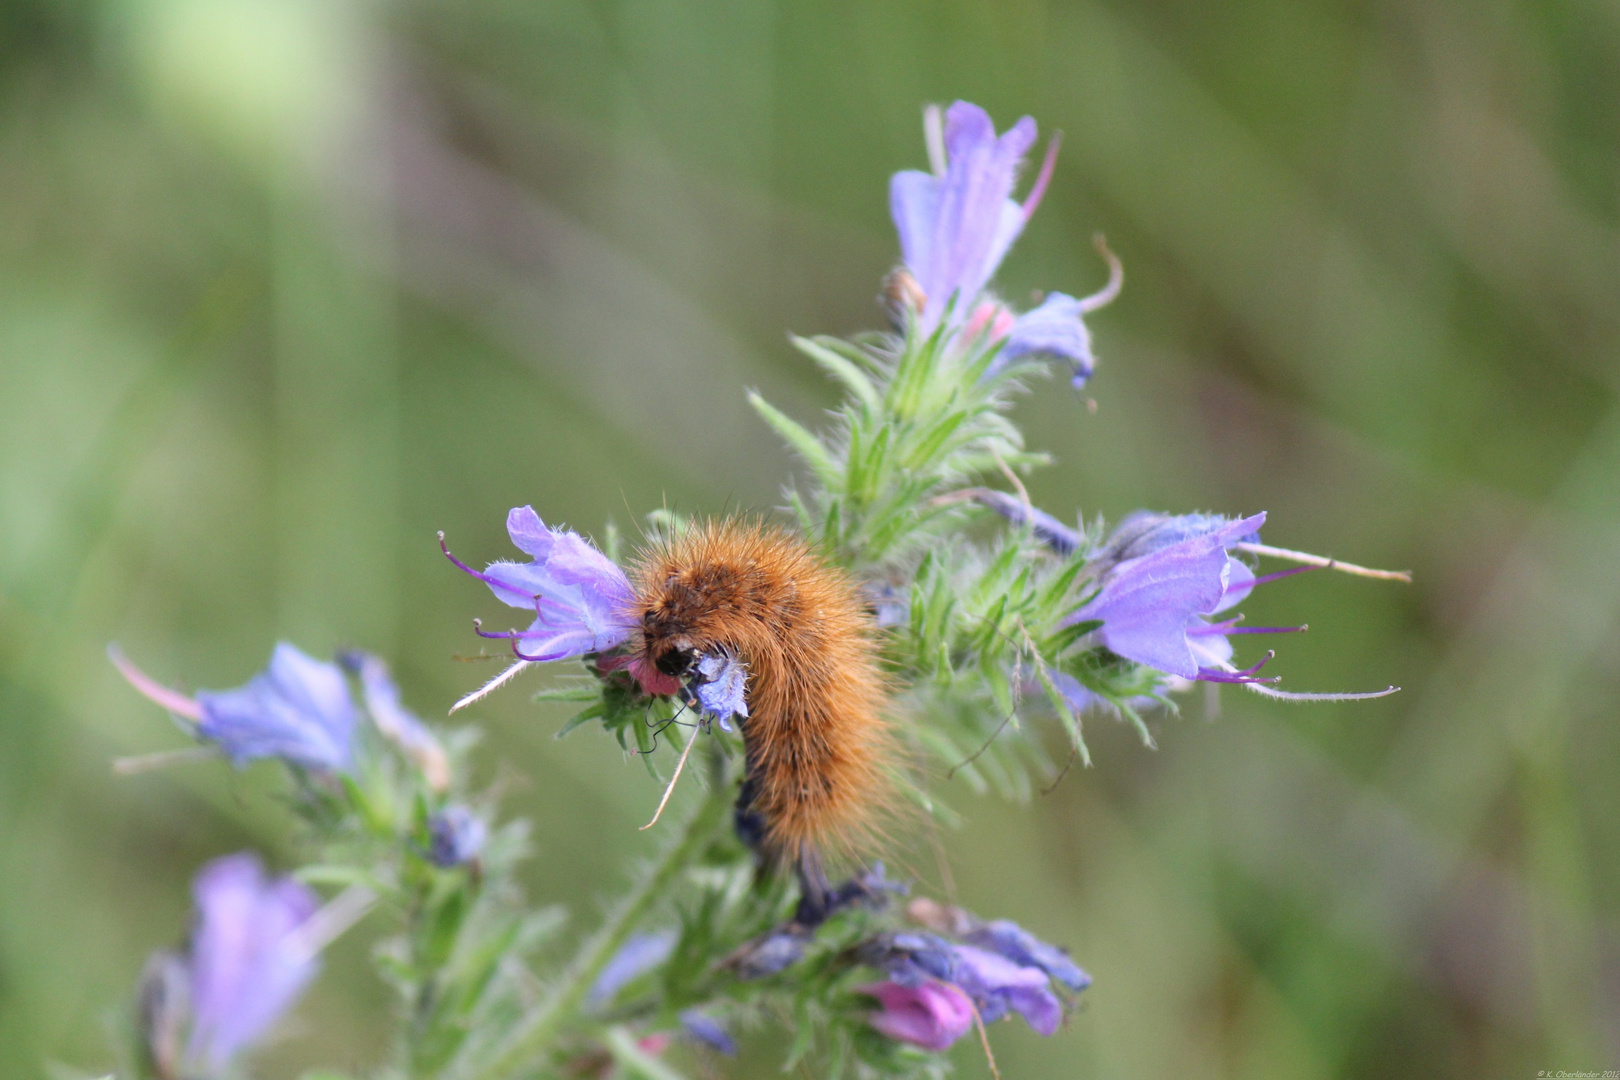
[(537, 1030)]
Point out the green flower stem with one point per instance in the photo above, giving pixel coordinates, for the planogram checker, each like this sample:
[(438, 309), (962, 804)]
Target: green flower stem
[(536, 1031)]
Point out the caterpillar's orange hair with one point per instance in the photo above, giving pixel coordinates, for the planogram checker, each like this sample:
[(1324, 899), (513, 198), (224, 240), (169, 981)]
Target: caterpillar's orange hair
[(816, 738)]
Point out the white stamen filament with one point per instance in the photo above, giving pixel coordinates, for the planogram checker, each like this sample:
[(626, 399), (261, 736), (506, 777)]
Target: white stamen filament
[(1331, 564), (1116, 281), (494, 684), (1283, 695), (162, 759), (670, 790), (1265, 689)]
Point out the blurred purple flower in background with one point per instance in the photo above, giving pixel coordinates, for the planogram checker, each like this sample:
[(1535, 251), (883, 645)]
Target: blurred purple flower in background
[(457, 834), (398, 724), (298, 709), (1006, 938), (248, 962), (637, 956), (911, 958), (957, 223), (999, 986), (1007, 969), (932, 1014), (705, 1029), (772, 953)]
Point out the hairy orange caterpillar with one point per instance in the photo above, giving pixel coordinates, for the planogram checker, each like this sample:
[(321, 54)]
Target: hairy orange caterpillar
[(817, 743)]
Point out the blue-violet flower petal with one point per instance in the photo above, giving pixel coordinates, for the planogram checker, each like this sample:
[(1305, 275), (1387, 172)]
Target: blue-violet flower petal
[(721, 691), (998, 986), (581, 600), (457, 836), (708, 1031), (298, 710), (1147, 604), (637, 956), (956, 228), (248, 964), (1012, 941), (1055, 329)]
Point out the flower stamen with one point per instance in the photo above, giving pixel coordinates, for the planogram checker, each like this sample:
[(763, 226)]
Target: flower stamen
[(1323, 562), (1044, 177), (1116, 279)]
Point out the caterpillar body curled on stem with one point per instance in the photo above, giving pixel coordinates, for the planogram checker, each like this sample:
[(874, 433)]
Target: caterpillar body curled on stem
[(817, 743)]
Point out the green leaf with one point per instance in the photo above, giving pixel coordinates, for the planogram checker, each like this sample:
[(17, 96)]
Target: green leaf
[(800, 439), (841, 368), (343, 876), (582, 717), (582, 691), (1071, 721), (929, 445)]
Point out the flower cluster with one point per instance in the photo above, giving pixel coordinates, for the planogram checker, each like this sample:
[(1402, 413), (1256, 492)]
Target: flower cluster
[(983, 606), (936, 987)]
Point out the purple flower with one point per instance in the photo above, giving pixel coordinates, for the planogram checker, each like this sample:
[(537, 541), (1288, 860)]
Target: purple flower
[(1151, 605), (398, 724), (957, 222), (582, 602), (871, 889), (1146, 531), (708, 1031), (721, 691), (932, 1015), (1057, 330), (890, 605), (999, 986), (457, 836), (774, 952), (911, 958), (249, 962), (298, 710), (1006, 938), (637, 956)]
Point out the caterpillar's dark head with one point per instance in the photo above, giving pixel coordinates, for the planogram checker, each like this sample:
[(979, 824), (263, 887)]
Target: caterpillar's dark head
[(685, 617), (676, 659)]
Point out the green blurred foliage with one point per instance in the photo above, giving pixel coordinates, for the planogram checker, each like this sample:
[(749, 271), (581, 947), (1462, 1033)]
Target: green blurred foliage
[(286, 286)]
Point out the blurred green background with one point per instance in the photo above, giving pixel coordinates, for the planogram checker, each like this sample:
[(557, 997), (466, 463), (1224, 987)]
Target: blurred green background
[(288, 285)]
